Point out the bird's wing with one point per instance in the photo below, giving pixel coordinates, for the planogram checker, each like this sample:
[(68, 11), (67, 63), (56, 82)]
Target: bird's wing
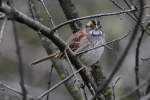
[(84, 44), (74, 41)]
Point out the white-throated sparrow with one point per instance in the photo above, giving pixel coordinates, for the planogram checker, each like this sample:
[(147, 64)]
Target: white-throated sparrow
[(89, 37)]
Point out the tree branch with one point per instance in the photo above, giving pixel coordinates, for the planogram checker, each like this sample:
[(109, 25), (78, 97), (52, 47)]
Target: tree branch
[(137, 80), (15, 90), (2, 28), (60, 83), (133, 91), (20, 65)]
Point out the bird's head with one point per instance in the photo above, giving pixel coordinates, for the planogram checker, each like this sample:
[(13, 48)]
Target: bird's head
[(91, 24)]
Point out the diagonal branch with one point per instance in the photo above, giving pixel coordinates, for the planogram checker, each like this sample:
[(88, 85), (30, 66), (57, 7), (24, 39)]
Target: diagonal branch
[(77, 80), (2, 28), (133, 91), (15, 90), (137, 80), (60, 83), (20, 65), (118, 5)]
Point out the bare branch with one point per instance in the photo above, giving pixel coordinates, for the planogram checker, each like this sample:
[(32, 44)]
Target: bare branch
[(129, 14), (44, 58), (148, 88), (130, 6), (120, 7), (20, 65), (58, 84), (113, 87), (145, 59), (16, 91), (127, 3), (48, 13), (107, 43), (19, 57), (75, 75), (137, 61), (133, 91), (147, 97), (50, 80), (2, 28)]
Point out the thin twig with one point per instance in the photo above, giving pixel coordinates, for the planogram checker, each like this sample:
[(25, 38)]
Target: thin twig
[(137, 62), (113, 87), (10, 88), (145, 59), (2, 28), (50, 79), (44, 58), (36, 25), (33, 10), (60, 83), (126, 2), (133, 91), (107, 43), (147, 97), (147, 90), (75, 75), (15, 90), (135, 16), (19, 57), (94, 16), (35, 16), (20, 65), (48, 13), (120, 7), (72, 68)]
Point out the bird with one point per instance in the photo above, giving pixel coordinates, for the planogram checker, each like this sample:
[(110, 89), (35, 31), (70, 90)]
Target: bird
[(88, 37)]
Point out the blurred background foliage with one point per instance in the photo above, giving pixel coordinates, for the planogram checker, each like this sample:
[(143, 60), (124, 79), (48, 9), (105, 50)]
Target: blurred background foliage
[(36, 77)]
